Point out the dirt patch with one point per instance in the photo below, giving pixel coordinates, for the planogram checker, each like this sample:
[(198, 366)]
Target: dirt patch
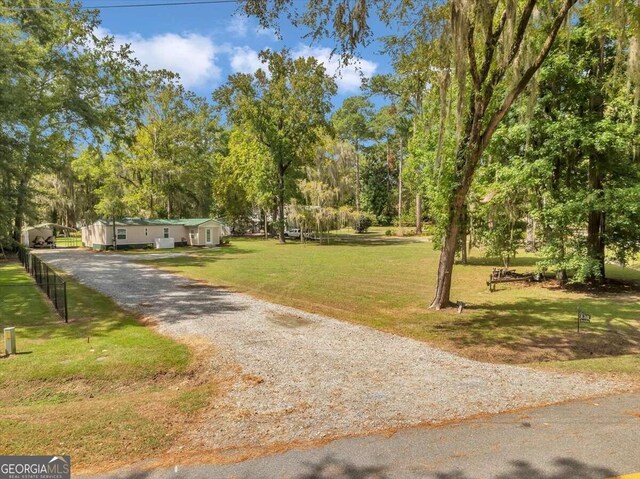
[(252, 379), (289, 320)]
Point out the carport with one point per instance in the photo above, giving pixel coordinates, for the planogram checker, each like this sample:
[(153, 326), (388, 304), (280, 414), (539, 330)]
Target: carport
[(42, 236)]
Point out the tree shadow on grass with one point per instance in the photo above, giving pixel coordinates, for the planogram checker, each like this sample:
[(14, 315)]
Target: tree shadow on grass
[(537, 330), (376, 241), (199, 259)]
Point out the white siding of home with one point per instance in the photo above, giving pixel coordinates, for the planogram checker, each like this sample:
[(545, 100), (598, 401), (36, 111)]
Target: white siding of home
[(102, 234), (136, 233), (215, 233), (96, 233)]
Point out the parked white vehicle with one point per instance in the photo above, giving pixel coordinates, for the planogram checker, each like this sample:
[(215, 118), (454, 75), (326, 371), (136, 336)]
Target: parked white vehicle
[(293, 233)]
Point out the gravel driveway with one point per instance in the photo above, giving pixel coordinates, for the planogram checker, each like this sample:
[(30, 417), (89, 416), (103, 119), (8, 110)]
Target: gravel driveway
[(306, 376)]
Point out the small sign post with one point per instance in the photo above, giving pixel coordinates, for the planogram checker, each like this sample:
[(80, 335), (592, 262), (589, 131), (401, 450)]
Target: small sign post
[(10, 340), (583, 318)]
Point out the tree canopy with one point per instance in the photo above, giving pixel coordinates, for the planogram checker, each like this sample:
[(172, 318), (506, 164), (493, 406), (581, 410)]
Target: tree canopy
[(285, 106), (511, 124)]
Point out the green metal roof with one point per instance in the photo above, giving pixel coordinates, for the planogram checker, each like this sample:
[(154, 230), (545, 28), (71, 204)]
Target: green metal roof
[(195, 221), (159, 222)]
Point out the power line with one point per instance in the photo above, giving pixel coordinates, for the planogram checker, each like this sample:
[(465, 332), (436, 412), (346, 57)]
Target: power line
[(132, 5)]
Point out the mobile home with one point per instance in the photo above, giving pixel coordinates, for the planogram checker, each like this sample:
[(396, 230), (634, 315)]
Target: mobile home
[(131, 233)]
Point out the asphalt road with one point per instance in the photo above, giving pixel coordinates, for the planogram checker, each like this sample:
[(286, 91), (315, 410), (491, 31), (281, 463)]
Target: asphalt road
[(591, 439)]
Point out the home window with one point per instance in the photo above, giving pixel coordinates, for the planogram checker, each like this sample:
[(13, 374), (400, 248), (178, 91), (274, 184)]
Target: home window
[(146, 231), (166, 232), (121, 233)]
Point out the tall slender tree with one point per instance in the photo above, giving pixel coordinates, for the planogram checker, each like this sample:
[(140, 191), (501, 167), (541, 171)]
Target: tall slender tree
[(352, 123), (285, 106)]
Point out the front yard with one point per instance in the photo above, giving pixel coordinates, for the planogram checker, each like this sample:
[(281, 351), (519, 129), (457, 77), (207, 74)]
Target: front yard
[(387, 282), (104, 387)]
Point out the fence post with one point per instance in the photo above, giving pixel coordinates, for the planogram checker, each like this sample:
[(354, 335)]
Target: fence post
[(66, 310), (55, 290)]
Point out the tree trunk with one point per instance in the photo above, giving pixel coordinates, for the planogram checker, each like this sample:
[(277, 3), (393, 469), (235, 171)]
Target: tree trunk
[(21, 202), (114, 236), (464, 228), (281, 219), (445, 264), (274, 220), (463, 246), (400, 192), (595, 227), (530, 245), (266, 224), (469, 154), (357, 181), (480, 124), (418, 214), (562, 276)]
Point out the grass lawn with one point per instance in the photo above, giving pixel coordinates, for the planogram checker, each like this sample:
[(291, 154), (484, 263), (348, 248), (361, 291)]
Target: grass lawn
[(387, 282), (103, 388), (68, 241)]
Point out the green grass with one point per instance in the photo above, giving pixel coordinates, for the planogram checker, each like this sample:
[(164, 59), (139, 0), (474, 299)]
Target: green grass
[(101, 388), (193, 400), (628, 364), (101, 341), (68, 241), (387, 283)]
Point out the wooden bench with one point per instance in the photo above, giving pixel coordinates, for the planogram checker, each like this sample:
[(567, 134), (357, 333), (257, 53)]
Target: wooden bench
[(505, 275)]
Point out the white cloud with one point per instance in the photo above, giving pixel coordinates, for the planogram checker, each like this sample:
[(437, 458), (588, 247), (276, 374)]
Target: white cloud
[(267, 32), (190, 55), (238, 26), (245, 60), (349, 77)]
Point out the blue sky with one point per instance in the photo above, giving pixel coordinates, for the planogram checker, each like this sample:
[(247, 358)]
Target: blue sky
[(206, 43)]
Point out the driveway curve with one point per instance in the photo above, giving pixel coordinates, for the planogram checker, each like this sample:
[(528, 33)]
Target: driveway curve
[(306, 377)]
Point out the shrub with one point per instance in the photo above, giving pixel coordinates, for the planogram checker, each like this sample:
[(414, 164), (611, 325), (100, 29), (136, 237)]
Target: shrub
[(429, 229), (362, 223)]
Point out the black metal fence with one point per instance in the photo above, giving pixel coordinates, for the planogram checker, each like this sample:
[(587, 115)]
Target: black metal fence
[(48, 280)]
